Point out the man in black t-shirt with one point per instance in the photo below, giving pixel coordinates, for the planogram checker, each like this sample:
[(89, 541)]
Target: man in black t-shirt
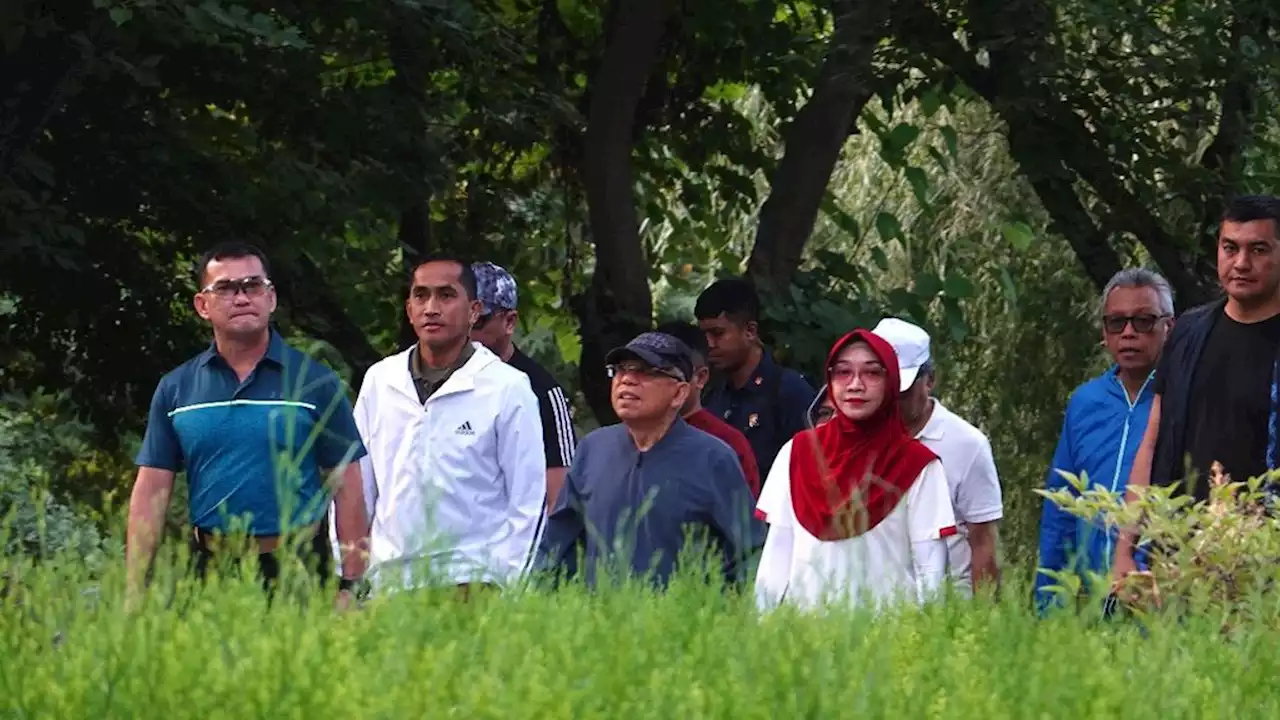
[(1217, 391), (496, 291)]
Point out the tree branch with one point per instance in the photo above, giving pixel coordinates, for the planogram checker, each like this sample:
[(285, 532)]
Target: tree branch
[(1051, 143), (814, 141)]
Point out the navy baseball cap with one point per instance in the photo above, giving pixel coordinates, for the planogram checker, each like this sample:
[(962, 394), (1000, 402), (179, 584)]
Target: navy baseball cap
[(659, 350), (495, 288)]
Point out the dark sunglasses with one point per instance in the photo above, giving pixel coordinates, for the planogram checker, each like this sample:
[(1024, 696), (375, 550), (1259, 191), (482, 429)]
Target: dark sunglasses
[(1115, 324)]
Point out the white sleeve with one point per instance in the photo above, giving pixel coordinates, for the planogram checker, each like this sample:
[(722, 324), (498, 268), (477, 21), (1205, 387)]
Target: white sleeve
[(773, 574), (364, 415), (930, 519), (774, 505), (522, 458), (978, 498)]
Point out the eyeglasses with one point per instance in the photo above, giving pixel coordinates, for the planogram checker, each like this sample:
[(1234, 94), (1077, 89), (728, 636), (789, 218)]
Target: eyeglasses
[(647, 372), (1115, 324), (252, 287), (844, 374)]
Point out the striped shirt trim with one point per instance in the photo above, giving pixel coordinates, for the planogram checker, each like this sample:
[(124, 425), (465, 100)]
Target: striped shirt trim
[(232, 403), (564, 424), (531, 557)]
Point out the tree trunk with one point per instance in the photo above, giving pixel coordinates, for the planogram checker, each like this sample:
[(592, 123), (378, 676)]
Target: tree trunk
[(814, 141), (617, 304)]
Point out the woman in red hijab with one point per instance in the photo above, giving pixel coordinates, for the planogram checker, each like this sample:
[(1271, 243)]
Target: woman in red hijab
[(857, 509)]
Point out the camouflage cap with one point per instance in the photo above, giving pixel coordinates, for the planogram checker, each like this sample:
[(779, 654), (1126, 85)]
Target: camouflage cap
[(495, 288)]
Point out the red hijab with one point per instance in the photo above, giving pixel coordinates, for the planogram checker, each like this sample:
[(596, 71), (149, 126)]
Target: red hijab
[(846, 475)]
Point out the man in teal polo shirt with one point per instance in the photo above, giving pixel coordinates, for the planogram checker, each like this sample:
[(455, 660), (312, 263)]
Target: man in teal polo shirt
[(258, 426)]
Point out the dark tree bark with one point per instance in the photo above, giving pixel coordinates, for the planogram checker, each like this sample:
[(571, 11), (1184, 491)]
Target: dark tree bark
[(814, 141), (617, 304), (410, 47)]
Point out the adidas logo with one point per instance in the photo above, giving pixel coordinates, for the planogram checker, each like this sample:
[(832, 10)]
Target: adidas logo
[(465, 429)]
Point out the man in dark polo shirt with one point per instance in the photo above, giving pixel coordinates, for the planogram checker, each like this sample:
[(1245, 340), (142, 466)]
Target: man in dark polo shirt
[(258, 426), (763, 400), (697, 416), (638, 489), (496, 291)]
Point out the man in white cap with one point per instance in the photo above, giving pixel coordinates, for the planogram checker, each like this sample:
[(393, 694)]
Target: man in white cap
[(965, 453)]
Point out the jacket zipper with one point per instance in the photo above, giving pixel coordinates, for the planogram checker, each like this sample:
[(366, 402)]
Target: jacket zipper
[(1124, 441)]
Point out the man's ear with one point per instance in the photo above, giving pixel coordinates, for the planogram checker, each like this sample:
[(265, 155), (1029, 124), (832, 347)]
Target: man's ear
[(682, 394), (201, 304), (702, 376), (752, 329)]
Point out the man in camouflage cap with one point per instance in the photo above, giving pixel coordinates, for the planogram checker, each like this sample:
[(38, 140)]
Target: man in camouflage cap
[(496, 291)]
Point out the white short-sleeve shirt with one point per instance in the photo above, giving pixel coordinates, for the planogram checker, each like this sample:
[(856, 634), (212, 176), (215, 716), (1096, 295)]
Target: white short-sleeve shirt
[(971, 475), (877, 565)]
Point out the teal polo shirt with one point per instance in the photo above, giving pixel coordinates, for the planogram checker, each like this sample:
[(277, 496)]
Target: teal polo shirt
[(255, 452)]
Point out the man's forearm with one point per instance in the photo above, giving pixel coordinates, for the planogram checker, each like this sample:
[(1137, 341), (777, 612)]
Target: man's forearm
[(352, 523), (982, 547), (147, 507), (555, 482)]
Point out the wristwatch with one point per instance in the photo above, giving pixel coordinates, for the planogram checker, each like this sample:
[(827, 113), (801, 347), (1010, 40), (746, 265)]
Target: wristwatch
[(358, 587)]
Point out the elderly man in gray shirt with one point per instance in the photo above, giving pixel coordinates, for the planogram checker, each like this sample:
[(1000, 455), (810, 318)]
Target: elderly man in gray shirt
[(637, 490)]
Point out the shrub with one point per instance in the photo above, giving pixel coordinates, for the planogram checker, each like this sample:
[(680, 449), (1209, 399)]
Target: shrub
[(43, 454), (1216, 558)]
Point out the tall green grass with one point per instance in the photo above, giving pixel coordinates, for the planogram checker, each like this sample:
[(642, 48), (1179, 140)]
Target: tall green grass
[(68, 650)]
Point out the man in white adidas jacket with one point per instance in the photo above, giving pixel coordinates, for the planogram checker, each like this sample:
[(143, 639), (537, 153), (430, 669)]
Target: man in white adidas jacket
[(456, 471)]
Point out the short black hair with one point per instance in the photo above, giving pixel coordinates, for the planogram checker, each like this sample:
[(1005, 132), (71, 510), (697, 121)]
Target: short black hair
[(735, 298), (1248, 208), (689, 334), (232, 249), (466, 274)]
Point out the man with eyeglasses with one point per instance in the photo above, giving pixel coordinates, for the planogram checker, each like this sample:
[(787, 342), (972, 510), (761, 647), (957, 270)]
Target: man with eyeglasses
[(1217, 387), (258, 426), (456, 470), (1103, 426), (496, 290), (637, 490)]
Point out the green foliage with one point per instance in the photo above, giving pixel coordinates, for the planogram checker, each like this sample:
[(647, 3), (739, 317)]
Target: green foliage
[(1215, 559), (51, 479), (619, 652)]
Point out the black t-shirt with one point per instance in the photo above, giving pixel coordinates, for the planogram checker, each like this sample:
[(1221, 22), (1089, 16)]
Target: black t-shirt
[(558, 435), (1229, 412)]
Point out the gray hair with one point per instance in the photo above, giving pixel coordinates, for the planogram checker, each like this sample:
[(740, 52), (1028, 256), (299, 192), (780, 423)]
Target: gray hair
[(1140, 278)]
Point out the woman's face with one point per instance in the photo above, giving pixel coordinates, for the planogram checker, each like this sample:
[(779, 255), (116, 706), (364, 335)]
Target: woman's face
[(858, 382)]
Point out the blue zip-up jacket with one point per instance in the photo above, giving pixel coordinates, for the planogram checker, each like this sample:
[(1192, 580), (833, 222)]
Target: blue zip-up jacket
[(1101, 433)]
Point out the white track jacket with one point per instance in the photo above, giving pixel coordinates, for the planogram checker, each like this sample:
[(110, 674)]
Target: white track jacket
[(457, 486)]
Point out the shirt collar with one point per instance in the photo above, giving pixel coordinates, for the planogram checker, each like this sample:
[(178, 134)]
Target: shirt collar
[(936, 428), (275, 350)]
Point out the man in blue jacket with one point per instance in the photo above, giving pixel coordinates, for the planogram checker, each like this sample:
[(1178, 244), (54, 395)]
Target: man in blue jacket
[(1104, 423)]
